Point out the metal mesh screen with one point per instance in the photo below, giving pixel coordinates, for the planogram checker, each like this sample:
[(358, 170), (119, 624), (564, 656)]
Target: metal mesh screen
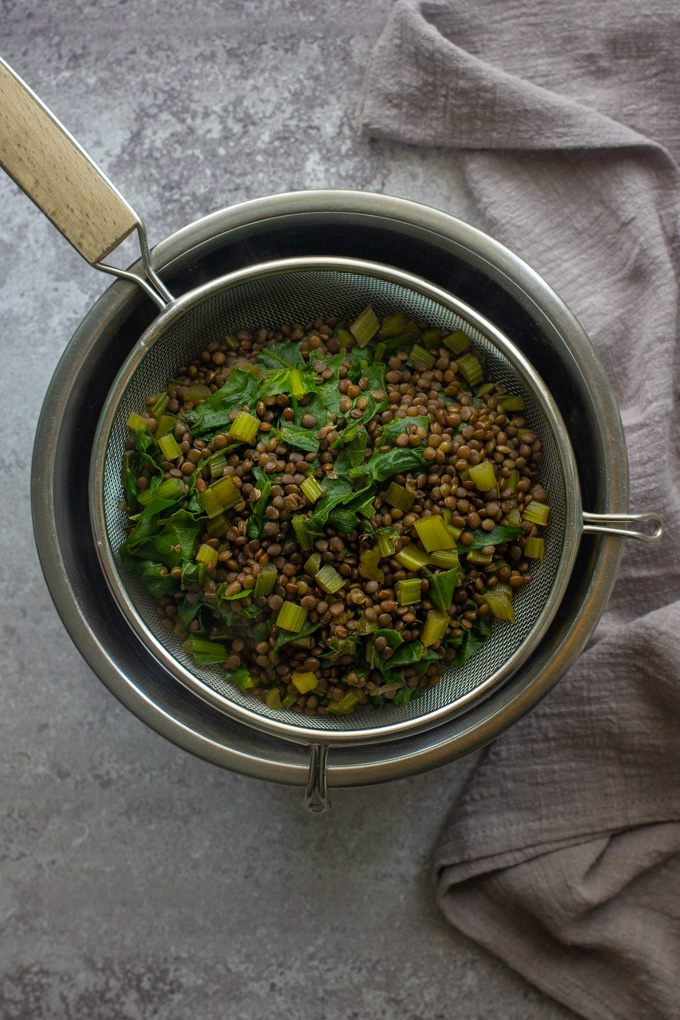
[(301, 296)]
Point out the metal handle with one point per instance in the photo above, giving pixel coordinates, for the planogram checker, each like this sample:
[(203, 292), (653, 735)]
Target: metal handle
[(47, 162), (316, 795), (598, 524)]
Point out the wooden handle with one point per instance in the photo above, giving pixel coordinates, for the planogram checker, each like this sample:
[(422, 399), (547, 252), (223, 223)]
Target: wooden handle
[(42, 157)]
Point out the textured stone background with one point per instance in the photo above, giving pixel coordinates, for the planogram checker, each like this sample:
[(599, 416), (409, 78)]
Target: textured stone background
[(138, 882)]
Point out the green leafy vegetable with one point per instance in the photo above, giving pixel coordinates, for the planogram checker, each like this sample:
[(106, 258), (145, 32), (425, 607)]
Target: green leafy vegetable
[(285, 636), (299, 438), (396, 461), (500, 534), (212, 415), (397, 426), (473, 640)]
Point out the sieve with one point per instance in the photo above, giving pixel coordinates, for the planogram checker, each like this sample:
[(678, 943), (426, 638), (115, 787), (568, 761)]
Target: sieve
[(285, 290)]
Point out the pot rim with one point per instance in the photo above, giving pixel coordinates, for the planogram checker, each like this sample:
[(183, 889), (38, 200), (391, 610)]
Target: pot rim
[(484, 722)]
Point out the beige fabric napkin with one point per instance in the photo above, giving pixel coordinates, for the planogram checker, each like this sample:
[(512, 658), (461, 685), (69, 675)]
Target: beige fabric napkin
[(563, 855)]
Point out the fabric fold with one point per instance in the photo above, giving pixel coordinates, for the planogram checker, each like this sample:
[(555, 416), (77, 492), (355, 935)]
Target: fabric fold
[(563, 853)]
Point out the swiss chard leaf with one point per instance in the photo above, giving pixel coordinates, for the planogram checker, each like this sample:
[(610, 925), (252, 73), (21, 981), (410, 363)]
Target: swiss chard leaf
[(395, 344), (501, 533), (442, 587), (397, 461), (283, 354), (256, 521), (397, 426), (181, 531), (343, 520), (189, 611), (156, 506), (408, 654), (376, 381), (337, 491), (407, 694), (149, 574), (473, 640), (241, 677), (213, 414), (144, 443), (299, 438), (350, 456), (324, 402), (285, 636), (232, 598), (273, 383), (142, 532)]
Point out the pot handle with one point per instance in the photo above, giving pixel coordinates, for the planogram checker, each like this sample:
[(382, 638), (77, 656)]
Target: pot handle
[(46, 161), (598, 524), (316, 795)]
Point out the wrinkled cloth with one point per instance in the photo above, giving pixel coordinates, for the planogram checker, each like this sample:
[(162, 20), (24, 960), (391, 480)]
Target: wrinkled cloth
[(563, 855)]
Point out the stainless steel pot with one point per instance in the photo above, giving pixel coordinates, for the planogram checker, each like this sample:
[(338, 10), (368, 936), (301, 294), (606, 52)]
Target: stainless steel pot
[(431, 244)]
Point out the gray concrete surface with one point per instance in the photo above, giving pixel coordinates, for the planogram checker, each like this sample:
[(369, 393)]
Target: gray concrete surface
[(136, 881)]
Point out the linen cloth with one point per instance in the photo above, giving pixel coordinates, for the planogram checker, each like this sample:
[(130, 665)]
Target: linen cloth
[(563, 855)]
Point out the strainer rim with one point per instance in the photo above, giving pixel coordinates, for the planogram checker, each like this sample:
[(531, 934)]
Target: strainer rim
[(300, 733)]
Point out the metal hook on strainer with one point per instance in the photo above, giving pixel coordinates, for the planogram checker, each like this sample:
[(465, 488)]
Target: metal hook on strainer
[(83, 204)]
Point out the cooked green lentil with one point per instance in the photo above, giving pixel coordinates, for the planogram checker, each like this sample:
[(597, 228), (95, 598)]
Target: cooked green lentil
[(332, 512)]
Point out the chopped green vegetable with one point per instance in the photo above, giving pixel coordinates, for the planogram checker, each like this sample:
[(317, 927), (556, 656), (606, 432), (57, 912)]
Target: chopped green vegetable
[(168, 446), (393, 325), (305, 682), (206, 554), (265, 580), (477, 556), (470, 368), (419, 353), (434, 534), (166, 423), (513, 480), (442, 587), (171, 489), (217, 464), (291, 617), (499, 604), (244, 428), (329, 580), (511, 403), (535, 548), (160, 405), (206, 652), (345, 705), (536, 512), (218, 496), (368, 564), (304, 539), (312, 489), (436, 624), (431, 338), (412, 557), (483, 475), (365, 326), (197, 392), (313, 564), (136, 422), (400, 496), (447, 558), (458, 341), (387, 543), (273, 699), (408, 591)]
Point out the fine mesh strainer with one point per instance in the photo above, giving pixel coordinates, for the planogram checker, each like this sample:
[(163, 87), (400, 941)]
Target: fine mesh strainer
[(298, 290), (65, 183)]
